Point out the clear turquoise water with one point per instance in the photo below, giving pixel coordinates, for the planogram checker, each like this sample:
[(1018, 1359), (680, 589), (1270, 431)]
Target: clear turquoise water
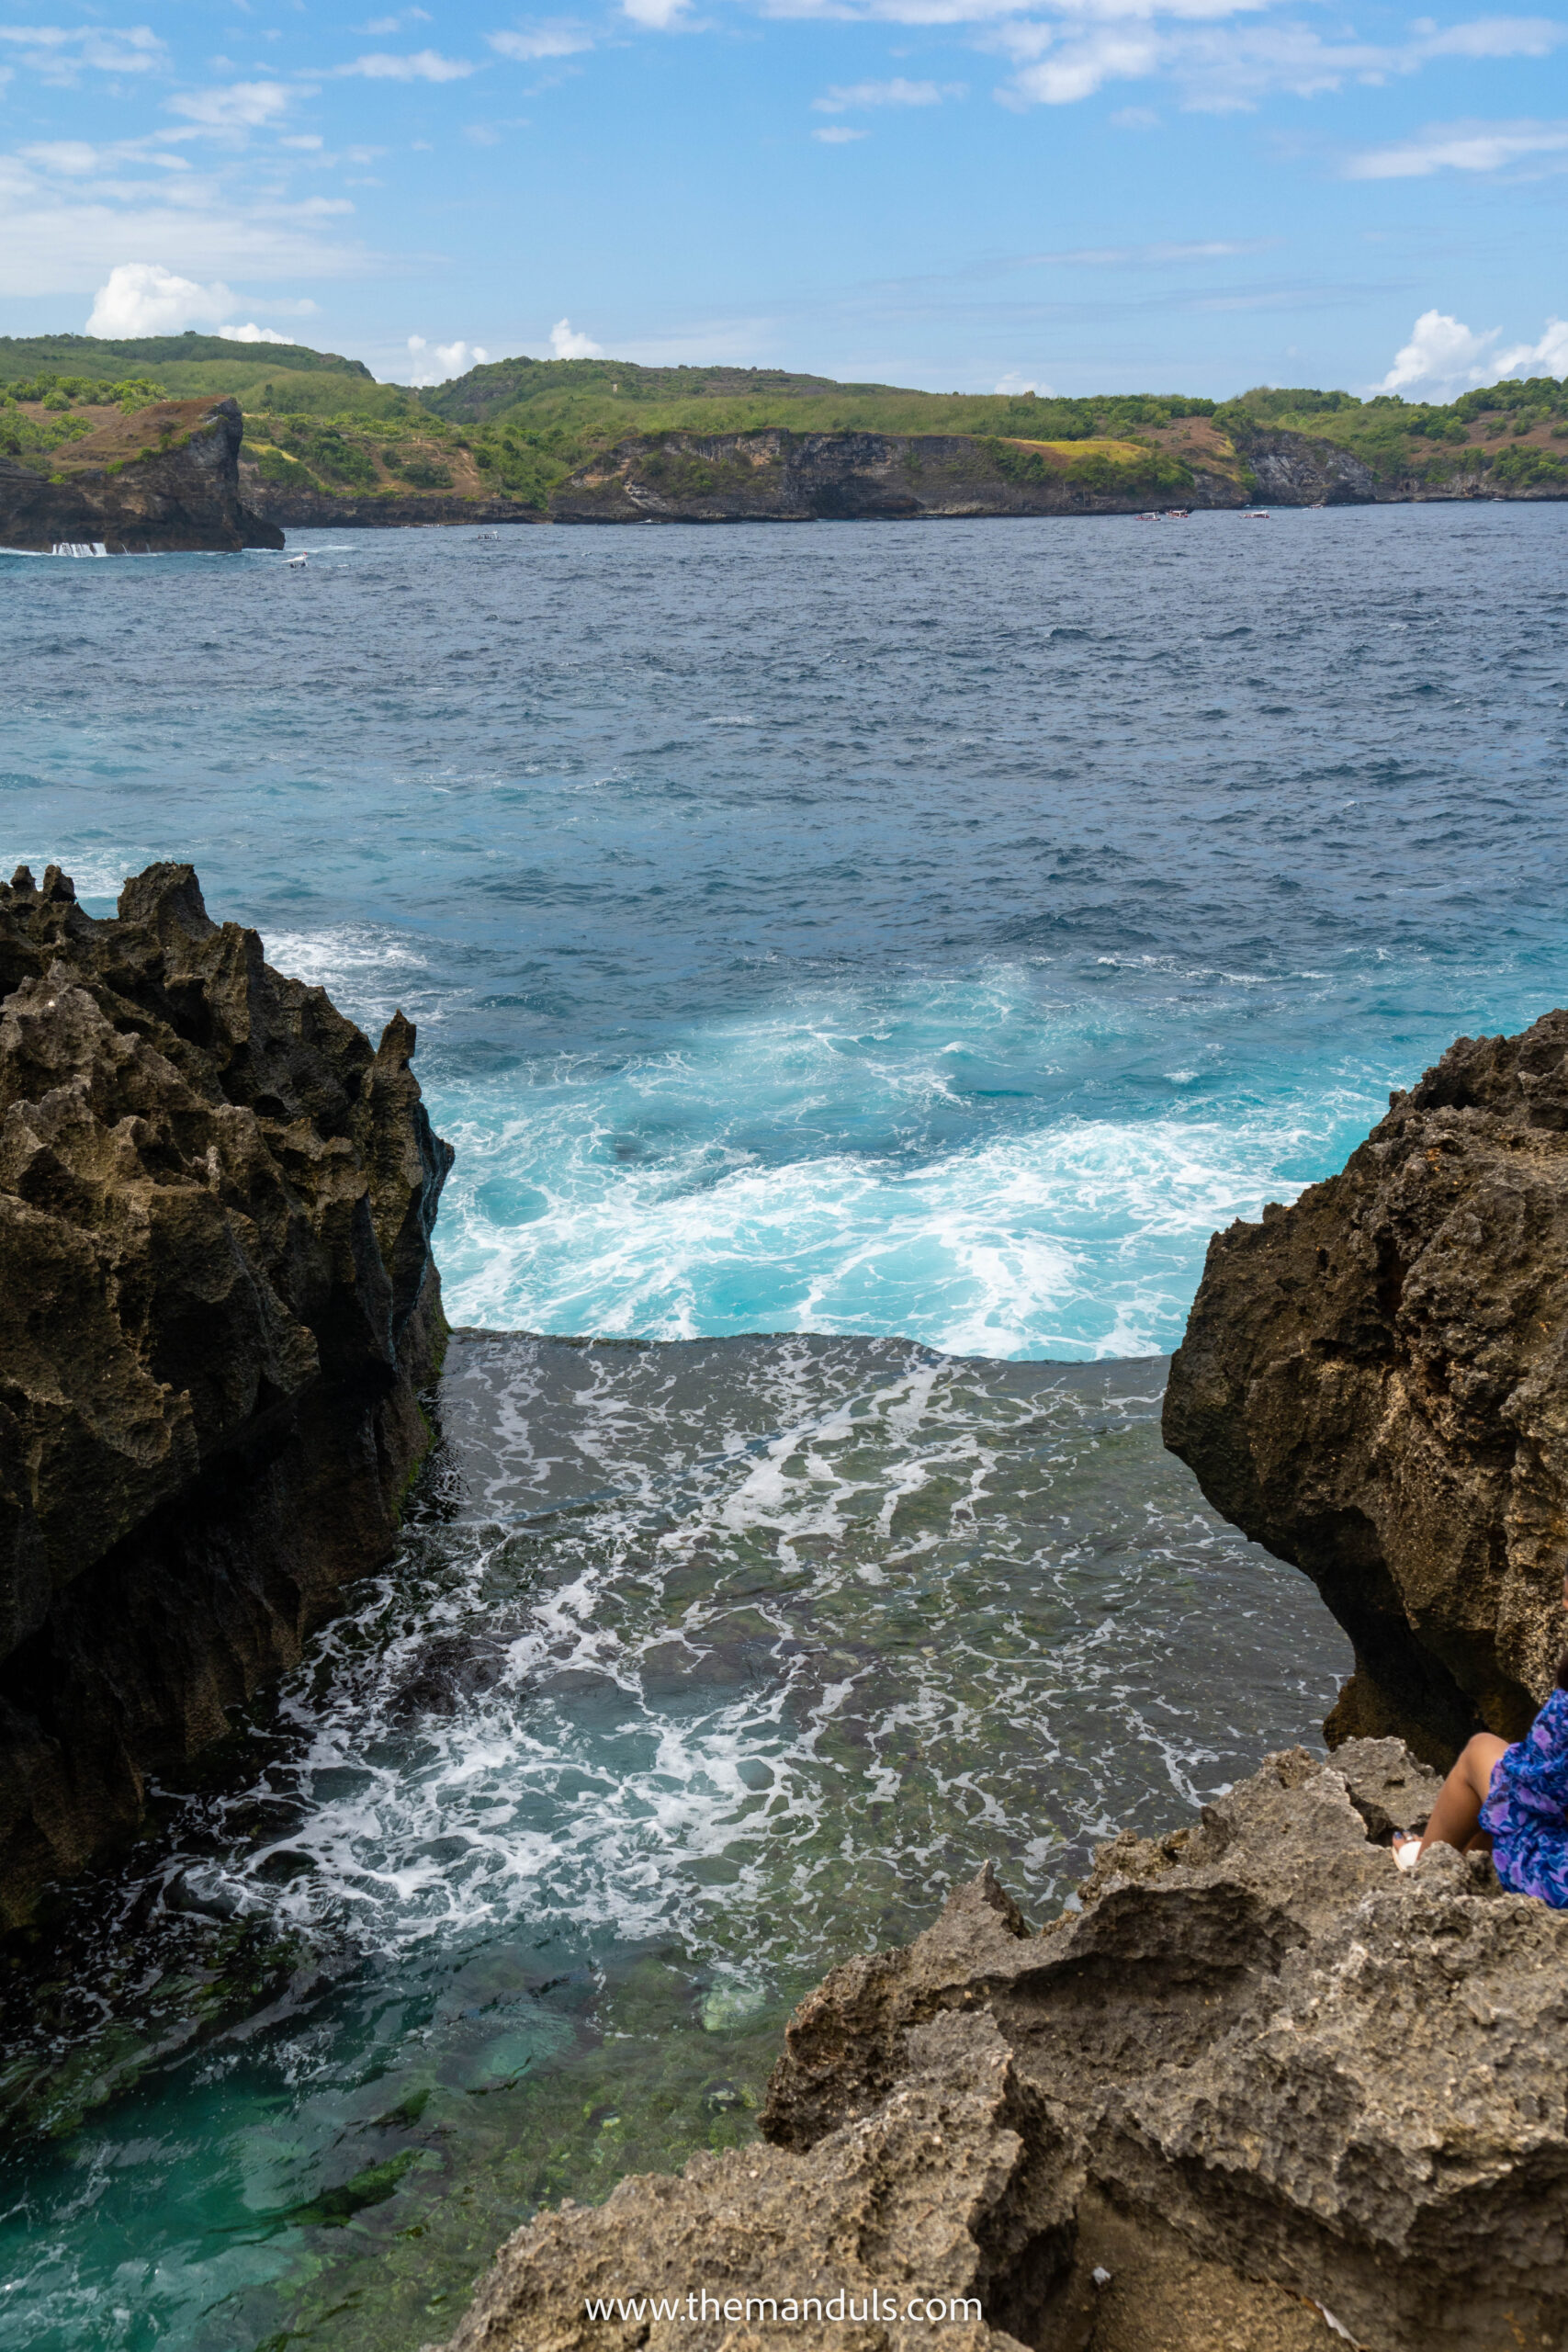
[(922, 935), (853, 928)]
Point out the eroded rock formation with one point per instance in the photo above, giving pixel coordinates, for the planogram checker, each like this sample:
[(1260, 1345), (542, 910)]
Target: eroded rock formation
[(217, 1303), (1260, 2075), (161, 480), (1374, 1385)]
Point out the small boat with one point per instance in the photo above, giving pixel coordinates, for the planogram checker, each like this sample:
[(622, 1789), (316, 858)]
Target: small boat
[(1176, 514), (1256, 515), (296, 562)]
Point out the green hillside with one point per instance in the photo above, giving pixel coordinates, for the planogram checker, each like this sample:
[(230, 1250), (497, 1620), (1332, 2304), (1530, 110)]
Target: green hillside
[(520, 426)]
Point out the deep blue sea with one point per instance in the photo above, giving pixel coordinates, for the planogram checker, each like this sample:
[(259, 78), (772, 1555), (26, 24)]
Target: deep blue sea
[(906, 943)]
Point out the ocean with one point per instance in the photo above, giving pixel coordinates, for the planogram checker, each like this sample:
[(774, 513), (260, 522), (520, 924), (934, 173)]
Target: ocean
[(859, 966)]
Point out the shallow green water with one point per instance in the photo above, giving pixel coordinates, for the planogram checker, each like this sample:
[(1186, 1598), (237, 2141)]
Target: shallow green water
[(701, 1668)]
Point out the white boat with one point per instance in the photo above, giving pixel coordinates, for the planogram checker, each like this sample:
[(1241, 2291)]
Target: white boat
[(296, 562)]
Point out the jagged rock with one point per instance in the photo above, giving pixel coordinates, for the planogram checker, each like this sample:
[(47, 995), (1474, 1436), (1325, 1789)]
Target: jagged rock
[(216, 1302), (162, 479), (1374, 1385), (1260, 2077)]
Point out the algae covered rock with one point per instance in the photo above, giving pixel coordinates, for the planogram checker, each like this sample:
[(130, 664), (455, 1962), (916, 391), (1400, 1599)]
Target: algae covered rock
[(1374, 1385), (1259, 2078), (216, 1302)]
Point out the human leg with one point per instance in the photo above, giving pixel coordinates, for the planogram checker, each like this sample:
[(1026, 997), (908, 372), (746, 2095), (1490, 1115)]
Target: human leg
[(1457, 1813)]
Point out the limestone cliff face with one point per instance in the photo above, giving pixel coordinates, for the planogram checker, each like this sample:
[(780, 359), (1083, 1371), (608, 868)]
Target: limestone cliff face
[(217, 1303), (1374, 1384), (1259, 2078), (779, 477), (1299, 470), (163, 480)]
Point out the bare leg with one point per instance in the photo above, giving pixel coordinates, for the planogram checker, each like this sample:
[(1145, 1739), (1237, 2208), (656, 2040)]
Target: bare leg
[(1456, 1815)]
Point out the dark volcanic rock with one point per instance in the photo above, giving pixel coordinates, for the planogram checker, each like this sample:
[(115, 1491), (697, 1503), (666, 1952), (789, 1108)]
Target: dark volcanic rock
[(780, 477), (216, 1301), (164, 480), (1374, 1384), (1260, 2076)]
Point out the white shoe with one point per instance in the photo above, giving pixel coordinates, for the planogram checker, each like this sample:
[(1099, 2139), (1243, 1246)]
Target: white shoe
[(1407, 1853)]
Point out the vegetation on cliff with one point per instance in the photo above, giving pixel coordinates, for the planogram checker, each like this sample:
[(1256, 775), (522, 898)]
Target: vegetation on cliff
[(515, 429)]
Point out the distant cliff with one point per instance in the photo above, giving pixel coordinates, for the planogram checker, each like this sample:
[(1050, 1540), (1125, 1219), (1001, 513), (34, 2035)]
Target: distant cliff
[(162, 479), (217, 1303), (781, 477)]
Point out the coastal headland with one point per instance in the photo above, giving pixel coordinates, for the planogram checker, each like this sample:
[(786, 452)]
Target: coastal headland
[(218, 1308), (606, 441), (159, 479)]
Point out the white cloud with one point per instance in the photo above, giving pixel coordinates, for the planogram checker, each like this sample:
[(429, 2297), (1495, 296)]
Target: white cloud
[(381, 25), (1461, 147), (838, 134), (422, 65), (243, 105), (143, 297), (1547, 358), (252, 333), (58, 51), (436, 362), (1018, 385), (1441, 352), (656, 16), (845, 99), (1135, 119), (560, 39), (567, 344), (1220, 68)]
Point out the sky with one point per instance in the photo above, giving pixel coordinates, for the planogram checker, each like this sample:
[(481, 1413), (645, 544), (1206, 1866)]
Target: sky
[(963, 195)]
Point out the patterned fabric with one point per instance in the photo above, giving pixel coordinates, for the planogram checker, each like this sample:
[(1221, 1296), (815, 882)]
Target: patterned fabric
[(1527, 1808)]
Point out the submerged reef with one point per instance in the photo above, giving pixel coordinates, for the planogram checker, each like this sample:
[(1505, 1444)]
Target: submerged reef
[(1260, 2077), (159, 480), (216, 1303), (1374, 1385)]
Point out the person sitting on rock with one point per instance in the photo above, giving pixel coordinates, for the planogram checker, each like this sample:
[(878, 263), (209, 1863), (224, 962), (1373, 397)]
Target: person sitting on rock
[(1512, 1801)]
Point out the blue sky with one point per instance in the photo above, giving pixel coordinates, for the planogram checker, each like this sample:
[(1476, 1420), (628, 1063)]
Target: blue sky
[(1082, 195)]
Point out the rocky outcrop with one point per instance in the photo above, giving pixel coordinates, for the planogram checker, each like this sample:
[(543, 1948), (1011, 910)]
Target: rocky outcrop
[(1257, 2078), (216, 1303), (1374, 1385), (161, 480), (1300, 469), (780, 477)]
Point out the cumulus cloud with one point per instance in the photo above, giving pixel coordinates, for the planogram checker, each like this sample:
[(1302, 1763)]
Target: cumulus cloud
[(422, 65), (252, 333), (1443, 355), (1547, 358), (567, 344), (435, 363), (838, 134), (849, 98), (1441, 351), (560, 39), (1018, 385), (1461, 147), (143, 297)]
